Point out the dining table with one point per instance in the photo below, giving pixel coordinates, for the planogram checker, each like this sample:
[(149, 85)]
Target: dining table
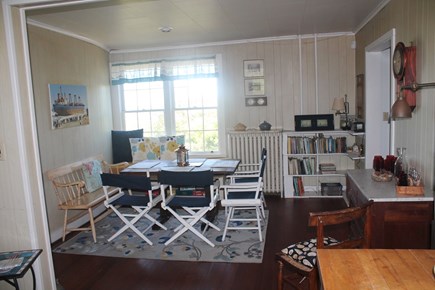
[(220, 168), (376, 269)]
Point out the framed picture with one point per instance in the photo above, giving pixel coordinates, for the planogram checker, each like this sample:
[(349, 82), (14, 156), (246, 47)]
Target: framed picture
[(253, 68), (68, 105), (254, 87), (314, 122), (255, 101)]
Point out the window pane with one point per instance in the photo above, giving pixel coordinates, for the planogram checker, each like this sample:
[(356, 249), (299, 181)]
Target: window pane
[(143, 100), (210, 119), (196, 120), (158, 123), (144, 119), (211, 141), (130, 100), (181, 120), (196, 141), (157, 99), (130, 121), (210, 86)]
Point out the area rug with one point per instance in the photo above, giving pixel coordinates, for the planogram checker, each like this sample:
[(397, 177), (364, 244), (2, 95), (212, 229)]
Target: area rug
[(240, 246)]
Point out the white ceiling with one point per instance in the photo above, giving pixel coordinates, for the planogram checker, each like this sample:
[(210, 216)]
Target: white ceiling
[(134, 24)]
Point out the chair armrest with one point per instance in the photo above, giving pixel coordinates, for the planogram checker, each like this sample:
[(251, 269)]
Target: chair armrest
[(79, 184)]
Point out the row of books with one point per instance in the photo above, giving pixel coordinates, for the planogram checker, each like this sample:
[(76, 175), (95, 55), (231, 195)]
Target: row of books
[(313, 145), (298, 186), (327, 168), (301, 166)]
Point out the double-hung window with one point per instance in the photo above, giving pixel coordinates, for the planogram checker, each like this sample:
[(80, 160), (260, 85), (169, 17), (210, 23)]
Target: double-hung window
[(172, 97)]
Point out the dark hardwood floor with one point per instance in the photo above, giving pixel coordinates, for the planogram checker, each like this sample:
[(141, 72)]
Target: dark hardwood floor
[(287, 224)]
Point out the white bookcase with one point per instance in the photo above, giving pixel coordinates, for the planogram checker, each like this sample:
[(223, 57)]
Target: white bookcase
[(303, 152)]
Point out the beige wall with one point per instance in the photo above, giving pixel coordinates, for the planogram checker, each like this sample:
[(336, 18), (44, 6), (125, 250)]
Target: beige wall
[(59, 59), (23, 221), (301, 76), (414, 21)]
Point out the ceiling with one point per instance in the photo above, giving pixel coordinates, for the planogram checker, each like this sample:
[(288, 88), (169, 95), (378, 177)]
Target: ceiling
[(134, 24)]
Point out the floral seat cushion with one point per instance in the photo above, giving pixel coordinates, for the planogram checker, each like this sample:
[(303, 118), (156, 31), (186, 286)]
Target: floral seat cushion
[(305, 252)]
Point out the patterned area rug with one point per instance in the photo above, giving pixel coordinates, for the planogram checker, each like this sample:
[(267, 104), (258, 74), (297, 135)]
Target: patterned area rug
[(240, 246)]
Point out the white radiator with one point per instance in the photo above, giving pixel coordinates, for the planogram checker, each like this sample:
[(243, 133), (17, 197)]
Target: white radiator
[(247, 145)]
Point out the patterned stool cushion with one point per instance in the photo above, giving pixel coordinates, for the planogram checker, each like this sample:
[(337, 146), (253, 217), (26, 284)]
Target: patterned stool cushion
[(305, 252)]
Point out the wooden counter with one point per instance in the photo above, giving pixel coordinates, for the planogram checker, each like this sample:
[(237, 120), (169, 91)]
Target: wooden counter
[(399, 222), (376, 269)]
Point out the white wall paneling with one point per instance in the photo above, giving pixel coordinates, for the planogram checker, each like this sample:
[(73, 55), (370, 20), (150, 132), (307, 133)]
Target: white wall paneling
[(302, 76)]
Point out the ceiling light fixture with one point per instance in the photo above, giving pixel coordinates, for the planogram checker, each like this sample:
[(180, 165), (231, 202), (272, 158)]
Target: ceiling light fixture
[(165, 29)]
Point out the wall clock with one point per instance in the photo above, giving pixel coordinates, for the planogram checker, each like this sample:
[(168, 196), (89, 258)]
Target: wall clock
[(399, 61), (404, 70)]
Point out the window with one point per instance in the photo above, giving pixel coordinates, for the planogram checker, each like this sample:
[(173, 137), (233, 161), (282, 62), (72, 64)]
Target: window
[(172, 98)]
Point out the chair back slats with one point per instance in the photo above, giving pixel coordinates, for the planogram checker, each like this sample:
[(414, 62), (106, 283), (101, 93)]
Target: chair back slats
[(69, 186), (177, 178), (134, 182), (350, 216)]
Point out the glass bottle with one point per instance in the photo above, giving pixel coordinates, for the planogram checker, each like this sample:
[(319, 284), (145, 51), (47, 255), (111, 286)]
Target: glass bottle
[(401, 167)]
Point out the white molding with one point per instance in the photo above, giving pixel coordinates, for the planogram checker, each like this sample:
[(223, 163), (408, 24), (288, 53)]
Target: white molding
[(67, 33), (371, 15), (241, 41)]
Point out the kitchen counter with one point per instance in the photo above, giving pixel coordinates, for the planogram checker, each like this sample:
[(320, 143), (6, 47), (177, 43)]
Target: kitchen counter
[(382, 191), (398, 222)]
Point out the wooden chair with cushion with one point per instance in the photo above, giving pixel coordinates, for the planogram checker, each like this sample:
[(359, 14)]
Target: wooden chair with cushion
[(297, 262)]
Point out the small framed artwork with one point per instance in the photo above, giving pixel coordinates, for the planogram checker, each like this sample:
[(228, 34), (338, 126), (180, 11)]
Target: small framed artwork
[(253, 68), (314, 122), (255, 101), (254, 87), (68, 105)]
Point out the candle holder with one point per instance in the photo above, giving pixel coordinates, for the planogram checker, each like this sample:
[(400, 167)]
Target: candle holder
[(182, 156)]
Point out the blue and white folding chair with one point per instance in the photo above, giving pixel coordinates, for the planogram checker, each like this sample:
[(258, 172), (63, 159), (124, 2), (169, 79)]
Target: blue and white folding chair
[(252, 175), (243, 196), (189, 210), (141, 204)]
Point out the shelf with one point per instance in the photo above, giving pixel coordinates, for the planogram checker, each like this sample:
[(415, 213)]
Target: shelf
[(298, 161), (318, 174), (352, 133), (355, 156)]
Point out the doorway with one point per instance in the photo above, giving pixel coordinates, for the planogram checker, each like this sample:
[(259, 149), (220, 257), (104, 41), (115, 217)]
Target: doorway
[(380, 92)]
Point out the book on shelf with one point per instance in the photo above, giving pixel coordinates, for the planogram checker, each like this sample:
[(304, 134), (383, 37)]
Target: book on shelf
[(327, 168), (331, 145), (301, 145), (298, 186), (301, 166)]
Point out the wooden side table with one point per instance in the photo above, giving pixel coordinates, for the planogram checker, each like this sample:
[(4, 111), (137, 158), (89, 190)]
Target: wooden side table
[(23, 261)]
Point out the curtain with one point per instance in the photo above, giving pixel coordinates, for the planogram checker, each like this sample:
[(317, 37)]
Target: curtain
[(122, 73)]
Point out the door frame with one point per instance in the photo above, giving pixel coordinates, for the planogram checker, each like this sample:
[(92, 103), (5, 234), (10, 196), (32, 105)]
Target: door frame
[(379, 81)]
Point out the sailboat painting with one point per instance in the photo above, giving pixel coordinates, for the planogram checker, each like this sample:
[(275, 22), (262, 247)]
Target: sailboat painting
[(68, 106)]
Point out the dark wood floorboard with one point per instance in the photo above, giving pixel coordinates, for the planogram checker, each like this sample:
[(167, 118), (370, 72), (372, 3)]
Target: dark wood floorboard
[(287, 224)]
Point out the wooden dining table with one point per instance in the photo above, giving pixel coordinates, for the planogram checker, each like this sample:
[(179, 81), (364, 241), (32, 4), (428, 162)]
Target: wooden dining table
[(376, 269), (220, 167)]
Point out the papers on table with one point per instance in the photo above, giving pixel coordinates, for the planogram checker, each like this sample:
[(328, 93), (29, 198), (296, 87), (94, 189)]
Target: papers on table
[(226, 163), (145, 164), (178, 168)]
